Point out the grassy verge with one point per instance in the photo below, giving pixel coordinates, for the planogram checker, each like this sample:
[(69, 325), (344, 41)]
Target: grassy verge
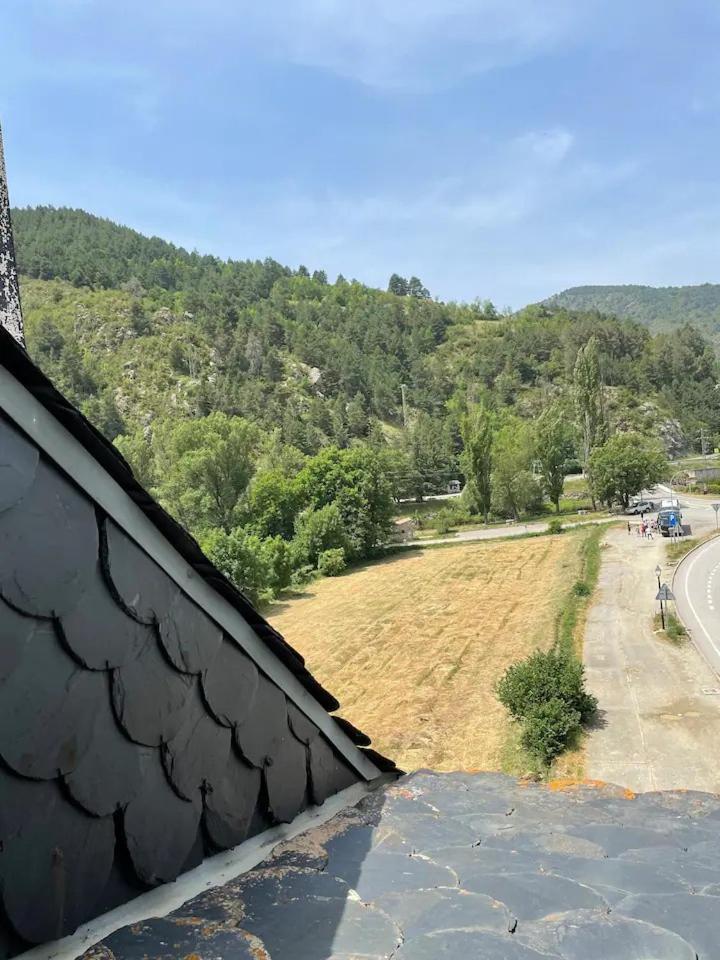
[(571, 618), (569, 627), (674, 631)]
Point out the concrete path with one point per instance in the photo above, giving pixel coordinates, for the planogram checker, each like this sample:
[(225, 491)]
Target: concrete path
[(659, 715)]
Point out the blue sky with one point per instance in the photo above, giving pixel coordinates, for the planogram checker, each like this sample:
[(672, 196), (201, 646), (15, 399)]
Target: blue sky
[(495, 148)]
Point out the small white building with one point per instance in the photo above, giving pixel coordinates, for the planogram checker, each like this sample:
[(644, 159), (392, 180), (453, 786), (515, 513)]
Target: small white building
[(454, 486)]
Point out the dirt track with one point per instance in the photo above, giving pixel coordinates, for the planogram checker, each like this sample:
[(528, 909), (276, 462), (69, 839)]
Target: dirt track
[(413, 646), (659, 730)]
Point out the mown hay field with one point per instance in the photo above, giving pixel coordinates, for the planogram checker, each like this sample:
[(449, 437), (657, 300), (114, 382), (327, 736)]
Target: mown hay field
[(412, 646)]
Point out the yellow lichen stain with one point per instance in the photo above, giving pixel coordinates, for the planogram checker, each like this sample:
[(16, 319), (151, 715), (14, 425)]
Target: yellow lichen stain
[(567, 784)]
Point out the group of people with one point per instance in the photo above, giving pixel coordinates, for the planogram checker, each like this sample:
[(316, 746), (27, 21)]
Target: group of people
[(645, 528)]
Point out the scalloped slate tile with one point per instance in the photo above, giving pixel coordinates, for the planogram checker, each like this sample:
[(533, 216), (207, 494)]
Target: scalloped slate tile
[(425, 911), (48, 546), (310, 927), (286, 779), (302, 728), (615, 839), (144, 590), (692, 916), (230, 684), (110, 773), (150, 697), (534, 895), (593, 936), (18, 464), (47, 708), (259, 736), (623, 876), (16, 633), (54, 862), (190, 638), (473, 943), (230, 805), (328, 775), (99, 633), (383, 873), (199, 752), (160, 829), (165, 938)]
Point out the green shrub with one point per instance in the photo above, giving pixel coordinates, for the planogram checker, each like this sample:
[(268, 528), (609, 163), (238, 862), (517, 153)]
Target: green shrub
[(278, 555), (548, 729), (674, 628), (332, 562), (240, 556), (581, 589), (302, 575), (543, 677), (318, 530), (555, 526), (443, 521)]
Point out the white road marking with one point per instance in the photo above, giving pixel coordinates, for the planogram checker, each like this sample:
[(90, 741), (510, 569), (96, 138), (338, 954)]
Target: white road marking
[(692, 605)]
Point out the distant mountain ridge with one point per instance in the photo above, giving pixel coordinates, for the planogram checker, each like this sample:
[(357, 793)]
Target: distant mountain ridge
[(659, 308)]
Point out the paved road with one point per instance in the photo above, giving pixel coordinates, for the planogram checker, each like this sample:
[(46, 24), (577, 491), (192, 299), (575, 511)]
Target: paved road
[(696, 586), (660, 719)]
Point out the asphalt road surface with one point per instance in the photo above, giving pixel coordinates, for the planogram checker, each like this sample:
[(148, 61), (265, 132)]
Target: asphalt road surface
[(659, 703), (696, 586)]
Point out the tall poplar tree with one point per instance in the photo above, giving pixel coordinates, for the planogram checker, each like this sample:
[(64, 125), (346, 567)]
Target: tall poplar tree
[(588, 396), (477, 430)]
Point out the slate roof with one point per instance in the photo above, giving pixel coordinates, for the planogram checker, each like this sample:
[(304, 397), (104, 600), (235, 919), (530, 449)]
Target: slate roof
[(468, 866), (136, 734)]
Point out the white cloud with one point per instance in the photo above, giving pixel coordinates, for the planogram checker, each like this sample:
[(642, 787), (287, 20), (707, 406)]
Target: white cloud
[(416, 44), (391, 44), (550, 146)]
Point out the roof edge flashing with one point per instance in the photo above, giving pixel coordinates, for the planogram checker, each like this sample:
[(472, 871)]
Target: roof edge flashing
[(211, 873)]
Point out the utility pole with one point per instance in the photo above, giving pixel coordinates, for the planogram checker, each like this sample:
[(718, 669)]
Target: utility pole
[(10, 311), (703, 444), (403, 388)]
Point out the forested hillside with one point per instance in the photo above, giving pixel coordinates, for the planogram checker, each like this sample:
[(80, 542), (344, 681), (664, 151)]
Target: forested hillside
[(264, 406), (658, 308)]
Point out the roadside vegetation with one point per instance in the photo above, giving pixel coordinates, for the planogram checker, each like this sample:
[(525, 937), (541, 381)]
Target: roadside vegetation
[(674, 631), (545, 693)]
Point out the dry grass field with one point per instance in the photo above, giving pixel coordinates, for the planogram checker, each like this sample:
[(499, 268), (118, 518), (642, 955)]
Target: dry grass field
[(412, 646)]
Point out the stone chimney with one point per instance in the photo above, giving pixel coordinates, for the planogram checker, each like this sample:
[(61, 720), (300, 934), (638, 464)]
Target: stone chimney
[(10, 311)]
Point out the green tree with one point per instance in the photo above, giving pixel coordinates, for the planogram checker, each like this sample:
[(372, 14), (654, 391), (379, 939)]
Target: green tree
[(203, 467), (428, 449), (398, 285), (417, 290), (514, 489), (588, 396), (271, 504), (553, 449), (625, 465), (241, 557), (318, 530), (476, 428), (357, 418), (136, 449), (356, 480)]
